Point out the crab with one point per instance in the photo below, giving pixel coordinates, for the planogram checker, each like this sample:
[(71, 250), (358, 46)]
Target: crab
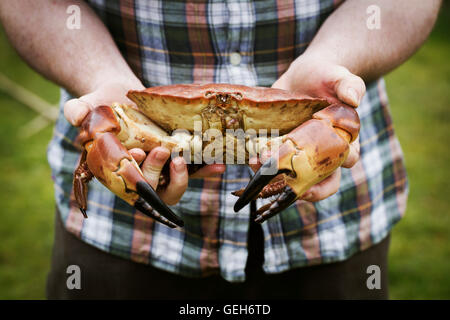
[(314, 140)]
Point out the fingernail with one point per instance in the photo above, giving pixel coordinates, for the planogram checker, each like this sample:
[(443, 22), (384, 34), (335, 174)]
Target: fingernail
[(179, 165), (353, 96)]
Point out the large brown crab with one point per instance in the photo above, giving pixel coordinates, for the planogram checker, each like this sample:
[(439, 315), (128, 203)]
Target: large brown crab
[(314, 141)]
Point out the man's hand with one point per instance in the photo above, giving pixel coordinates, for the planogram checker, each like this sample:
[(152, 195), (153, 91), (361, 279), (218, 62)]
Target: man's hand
[(344, 46), (318, 78), (75, 111)]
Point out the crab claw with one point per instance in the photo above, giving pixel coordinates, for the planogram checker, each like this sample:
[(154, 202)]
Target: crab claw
[(258, 183), (111, 163), (308, 155)]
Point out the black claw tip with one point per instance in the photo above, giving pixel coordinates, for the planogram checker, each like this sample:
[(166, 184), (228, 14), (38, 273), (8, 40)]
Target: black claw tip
[(83, 212), (259, 219), (261, 178), (282, 202), (240, 203), (152, 198), (145, 208)]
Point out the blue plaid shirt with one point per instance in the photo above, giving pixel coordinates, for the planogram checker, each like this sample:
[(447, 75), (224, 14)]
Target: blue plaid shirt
[(171, 41)]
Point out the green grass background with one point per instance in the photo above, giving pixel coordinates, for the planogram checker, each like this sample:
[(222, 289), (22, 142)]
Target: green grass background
[(419, 94)]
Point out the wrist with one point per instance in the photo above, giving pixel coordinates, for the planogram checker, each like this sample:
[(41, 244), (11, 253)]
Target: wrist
[(122, 83), (318, 55), (322, 76), (127, 81), (312, 58), (303, 70)]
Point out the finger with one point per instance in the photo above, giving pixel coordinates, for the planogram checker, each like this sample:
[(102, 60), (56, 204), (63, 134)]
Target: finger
[(254, 163), (210, 170), (75, 110), (281, 83), (153, 164), (178, 182), (324, 189), (348, 87), (138, 155), (266, 154), (353, 155)]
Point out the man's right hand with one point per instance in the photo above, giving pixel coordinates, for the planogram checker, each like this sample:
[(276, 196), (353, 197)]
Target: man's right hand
[(76, 110)]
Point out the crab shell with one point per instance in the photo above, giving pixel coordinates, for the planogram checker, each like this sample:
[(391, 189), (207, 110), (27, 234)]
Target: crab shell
[(225, 106)]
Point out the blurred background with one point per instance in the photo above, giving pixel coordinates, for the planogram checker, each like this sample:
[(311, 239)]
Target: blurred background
[(419, 93)]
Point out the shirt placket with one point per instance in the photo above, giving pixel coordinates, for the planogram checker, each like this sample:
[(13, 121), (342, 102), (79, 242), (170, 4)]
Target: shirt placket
[(238, 55)]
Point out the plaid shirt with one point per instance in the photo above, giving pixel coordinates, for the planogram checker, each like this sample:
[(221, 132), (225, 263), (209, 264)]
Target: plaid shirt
[(171, 41)]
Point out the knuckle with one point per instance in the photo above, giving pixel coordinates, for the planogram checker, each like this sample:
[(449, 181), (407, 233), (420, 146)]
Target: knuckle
[(152, 171), (152, 177)]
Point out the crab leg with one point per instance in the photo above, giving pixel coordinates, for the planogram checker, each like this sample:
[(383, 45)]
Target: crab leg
[(308, 155), (82, 176), (111, 163)]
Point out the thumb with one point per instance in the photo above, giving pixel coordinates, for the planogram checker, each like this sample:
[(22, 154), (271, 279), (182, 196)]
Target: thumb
[(75, 110), (281, 83), (349, 88)]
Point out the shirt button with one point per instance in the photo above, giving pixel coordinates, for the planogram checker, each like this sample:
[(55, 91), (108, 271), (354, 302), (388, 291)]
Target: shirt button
[(235, 58)]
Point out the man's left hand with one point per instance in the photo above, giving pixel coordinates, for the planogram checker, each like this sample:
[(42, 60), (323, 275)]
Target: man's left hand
[(318, 78)]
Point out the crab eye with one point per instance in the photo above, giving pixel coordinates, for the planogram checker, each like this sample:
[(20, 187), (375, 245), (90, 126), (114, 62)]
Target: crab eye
[(208, 94), (223, 98), (238, 95)]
